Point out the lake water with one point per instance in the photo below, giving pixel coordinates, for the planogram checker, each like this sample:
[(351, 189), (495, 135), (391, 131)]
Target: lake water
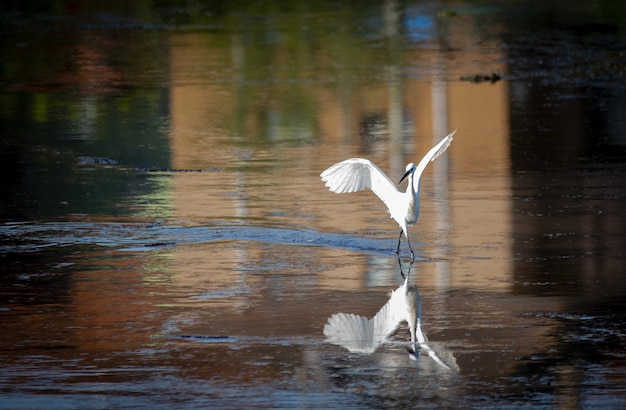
[(166, 241)]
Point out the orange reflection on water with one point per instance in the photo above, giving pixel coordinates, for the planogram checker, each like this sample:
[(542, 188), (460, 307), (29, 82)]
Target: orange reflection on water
[(465, 217)]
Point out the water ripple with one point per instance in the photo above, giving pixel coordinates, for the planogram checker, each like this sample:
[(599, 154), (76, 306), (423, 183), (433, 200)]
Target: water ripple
[(25, 237)]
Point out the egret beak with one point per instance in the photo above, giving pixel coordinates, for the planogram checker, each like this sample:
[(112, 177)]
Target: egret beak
[(406, 174)]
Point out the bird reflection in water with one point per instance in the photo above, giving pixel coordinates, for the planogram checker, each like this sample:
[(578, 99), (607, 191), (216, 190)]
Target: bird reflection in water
[(359, 334)]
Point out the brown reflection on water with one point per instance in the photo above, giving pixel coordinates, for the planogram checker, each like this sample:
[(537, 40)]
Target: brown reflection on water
[(464, 230), (246, 290), (108, 301), (520, 257), (466, 193), (201, 99)]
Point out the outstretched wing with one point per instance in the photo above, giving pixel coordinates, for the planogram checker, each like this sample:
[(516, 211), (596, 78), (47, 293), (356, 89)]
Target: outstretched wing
[(355, 174), (434, 152), (360, 335), (350, 331), (388, 318)]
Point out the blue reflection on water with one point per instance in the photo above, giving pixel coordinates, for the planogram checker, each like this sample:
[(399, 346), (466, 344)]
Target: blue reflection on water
[(420, 26)]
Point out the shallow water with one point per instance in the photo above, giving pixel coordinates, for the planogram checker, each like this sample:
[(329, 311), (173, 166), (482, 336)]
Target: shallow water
[(166, 240)]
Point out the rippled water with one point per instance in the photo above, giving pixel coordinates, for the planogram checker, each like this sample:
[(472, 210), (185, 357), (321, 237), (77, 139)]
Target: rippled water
[(166, 241)]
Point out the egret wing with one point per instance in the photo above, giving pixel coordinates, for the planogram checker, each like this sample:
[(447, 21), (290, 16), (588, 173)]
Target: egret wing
[(441, 355), (355, 174), (434, 152), (350, 331), (361, 335), (388, 318)]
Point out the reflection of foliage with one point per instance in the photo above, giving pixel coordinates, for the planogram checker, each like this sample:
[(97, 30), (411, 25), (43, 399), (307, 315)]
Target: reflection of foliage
[(43, 176), (94, 78), (481, 78), (286, 56), (285, 50)]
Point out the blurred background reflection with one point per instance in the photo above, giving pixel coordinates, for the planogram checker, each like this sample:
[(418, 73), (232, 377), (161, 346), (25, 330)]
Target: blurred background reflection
[(161, 166)]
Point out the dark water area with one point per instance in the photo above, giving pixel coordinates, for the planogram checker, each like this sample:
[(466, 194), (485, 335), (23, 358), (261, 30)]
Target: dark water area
[(166, 240)]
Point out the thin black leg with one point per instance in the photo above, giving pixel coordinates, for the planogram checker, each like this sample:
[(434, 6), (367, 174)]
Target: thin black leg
[(399, 239), (400, 265)]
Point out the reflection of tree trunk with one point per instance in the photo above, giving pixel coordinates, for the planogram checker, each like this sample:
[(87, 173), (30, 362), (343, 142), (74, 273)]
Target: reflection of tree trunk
[(441, 170), (395, 84), (395, 118)]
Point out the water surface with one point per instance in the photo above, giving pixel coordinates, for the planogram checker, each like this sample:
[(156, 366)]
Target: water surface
[(166, 241)]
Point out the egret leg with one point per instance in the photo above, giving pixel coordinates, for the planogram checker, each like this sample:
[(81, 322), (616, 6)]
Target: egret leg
[(400, 265), (409, 271), (399, 239), (408, 242), (413, 352)]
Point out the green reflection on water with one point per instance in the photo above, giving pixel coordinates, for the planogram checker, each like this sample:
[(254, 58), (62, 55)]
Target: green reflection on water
[(95, 80), (84, 83), (49, 133)]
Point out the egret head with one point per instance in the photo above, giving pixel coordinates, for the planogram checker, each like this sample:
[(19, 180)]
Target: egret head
[(410, 169)]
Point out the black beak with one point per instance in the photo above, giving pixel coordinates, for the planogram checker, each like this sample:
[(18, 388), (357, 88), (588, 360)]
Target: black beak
[(406, 174)]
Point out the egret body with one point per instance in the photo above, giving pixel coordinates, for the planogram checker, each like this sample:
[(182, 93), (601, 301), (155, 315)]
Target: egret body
[(355, 174)]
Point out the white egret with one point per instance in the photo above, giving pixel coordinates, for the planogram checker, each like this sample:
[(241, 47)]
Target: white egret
[(355, 174)]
